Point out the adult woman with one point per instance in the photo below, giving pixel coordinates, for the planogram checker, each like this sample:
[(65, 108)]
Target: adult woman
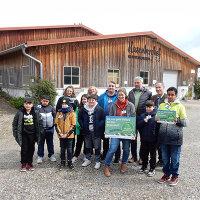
[(92, 90), (69, 93), (122, 107)]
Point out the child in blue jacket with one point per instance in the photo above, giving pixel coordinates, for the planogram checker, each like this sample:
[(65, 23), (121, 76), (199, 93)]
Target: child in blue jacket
[(147, 127)]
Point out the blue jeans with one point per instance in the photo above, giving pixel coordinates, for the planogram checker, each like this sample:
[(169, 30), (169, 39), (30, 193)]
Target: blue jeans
[(48, 136), (113, 148), (171, 158)]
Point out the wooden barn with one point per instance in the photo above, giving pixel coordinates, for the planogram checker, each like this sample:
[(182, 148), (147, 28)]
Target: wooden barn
[(79, 56)]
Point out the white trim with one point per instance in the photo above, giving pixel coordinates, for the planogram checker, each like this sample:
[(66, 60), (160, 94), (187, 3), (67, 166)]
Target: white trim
[(74, 85)]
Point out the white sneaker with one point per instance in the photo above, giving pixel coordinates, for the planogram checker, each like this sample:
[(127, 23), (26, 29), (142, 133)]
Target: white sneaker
[(86, 163), (74, 159), (84, 158), (53, 158), (39, 160), (97, 165)]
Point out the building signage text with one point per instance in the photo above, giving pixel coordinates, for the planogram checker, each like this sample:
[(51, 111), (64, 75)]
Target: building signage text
[(149, 54)]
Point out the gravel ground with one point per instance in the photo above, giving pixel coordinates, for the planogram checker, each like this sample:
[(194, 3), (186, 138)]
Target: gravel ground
[(46, 182)]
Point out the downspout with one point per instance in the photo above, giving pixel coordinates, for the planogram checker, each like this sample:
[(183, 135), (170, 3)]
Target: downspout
[(27, 55)]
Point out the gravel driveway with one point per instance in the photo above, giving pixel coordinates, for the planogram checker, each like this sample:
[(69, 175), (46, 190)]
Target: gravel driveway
[(46, 182)]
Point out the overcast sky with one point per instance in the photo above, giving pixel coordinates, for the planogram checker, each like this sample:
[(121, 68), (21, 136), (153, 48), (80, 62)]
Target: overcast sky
[(177, 21)]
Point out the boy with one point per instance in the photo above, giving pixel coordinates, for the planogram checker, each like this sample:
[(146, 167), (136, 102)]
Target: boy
[(171, 137), (65, 125), (147, 126), (92, 119), (48, 114), (27, 129)]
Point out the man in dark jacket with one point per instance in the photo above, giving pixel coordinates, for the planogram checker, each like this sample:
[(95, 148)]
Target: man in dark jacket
[(158, 99), (138, 96)]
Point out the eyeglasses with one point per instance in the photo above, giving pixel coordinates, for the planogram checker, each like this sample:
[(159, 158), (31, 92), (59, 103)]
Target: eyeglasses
[(111, 86)]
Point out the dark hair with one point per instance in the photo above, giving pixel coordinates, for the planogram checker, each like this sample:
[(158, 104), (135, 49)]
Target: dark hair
[(45, 97), (93, 96), (113, 82), (73, 94), (149, 103), (28, 100), (81, 104), (172, 89)]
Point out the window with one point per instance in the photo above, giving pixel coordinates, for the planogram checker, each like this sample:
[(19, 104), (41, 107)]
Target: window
[(11, 75), (72, 76), (1, 76), (145, 76), (25, 75), (113, 75)]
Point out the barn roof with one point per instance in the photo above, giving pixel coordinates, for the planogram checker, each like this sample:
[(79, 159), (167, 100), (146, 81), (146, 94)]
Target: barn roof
[(49, 27), (104, 37)]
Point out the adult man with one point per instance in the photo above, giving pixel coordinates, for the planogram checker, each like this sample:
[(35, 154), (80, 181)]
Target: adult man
[(138, 96), (158, 99), (105, 101)]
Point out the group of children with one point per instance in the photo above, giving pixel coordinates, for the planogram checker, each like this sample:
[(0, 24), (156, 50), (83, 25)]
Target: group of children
[(36, 124)]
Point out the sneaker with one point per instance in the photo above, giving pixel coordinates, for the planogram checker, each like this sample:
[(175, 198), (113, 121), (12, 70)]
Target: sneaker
[(97, 165), (173, 181), (23, 168), (84, 158), (70, 165), (151, 172), (39, 160), (142, 170), (30, 167), (164, 179), (62, 165), (116, 161), (74, 159), (86, 163), (53, 158)]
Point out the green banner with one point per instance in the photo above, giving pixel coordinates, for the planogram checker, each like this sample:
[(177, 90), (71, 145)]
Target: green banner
[(120, 127), (166, 116)]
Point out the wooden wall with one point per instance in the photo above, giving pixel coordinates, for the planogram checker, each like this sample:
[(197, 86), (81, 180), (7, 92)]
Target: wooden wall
[(11, 39), (95, 57)]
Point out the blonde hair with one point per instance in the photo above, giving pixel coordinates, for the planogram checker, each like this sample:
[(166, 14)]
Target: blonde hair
[(91, 88)]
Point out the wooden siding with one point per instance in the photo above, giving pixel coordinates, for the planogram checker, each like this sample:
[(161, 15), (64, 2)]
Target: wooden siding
[(11, 39), (95, 58)]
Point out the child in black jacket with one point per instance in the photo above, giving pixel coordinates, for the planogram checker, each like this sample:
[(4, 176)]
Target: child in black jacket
[(147, 126)]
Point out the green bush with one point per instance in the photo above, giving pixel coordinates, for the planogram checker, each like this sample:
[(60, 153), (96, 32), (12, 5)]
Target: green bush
[(43, 87), (17, 102), (197, 89)]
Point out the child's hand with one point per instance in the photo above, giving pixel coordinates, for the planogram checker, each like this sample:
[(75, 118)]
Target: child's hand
[(146, 120), (175, 120), (156, 119)]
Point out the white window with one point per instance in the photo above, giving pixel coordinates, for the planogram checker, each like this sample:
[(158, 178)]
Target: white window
[(11, 75), (145, 76), (113, 75), (25, 75), (1, 76), (72, 76)]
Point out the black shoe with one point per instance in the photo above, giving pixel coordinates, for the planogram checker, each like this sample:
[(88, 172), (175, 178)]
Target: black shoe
[(70, 165), (62, 164), (116, 161), (142, 170)]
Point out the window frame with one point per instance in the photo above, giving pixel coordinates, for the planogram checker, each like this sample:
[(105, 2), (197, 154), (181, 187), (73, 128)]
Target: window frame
[(117, 84), (23, 75), (74, 85), (145, 84), (10, 75)]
